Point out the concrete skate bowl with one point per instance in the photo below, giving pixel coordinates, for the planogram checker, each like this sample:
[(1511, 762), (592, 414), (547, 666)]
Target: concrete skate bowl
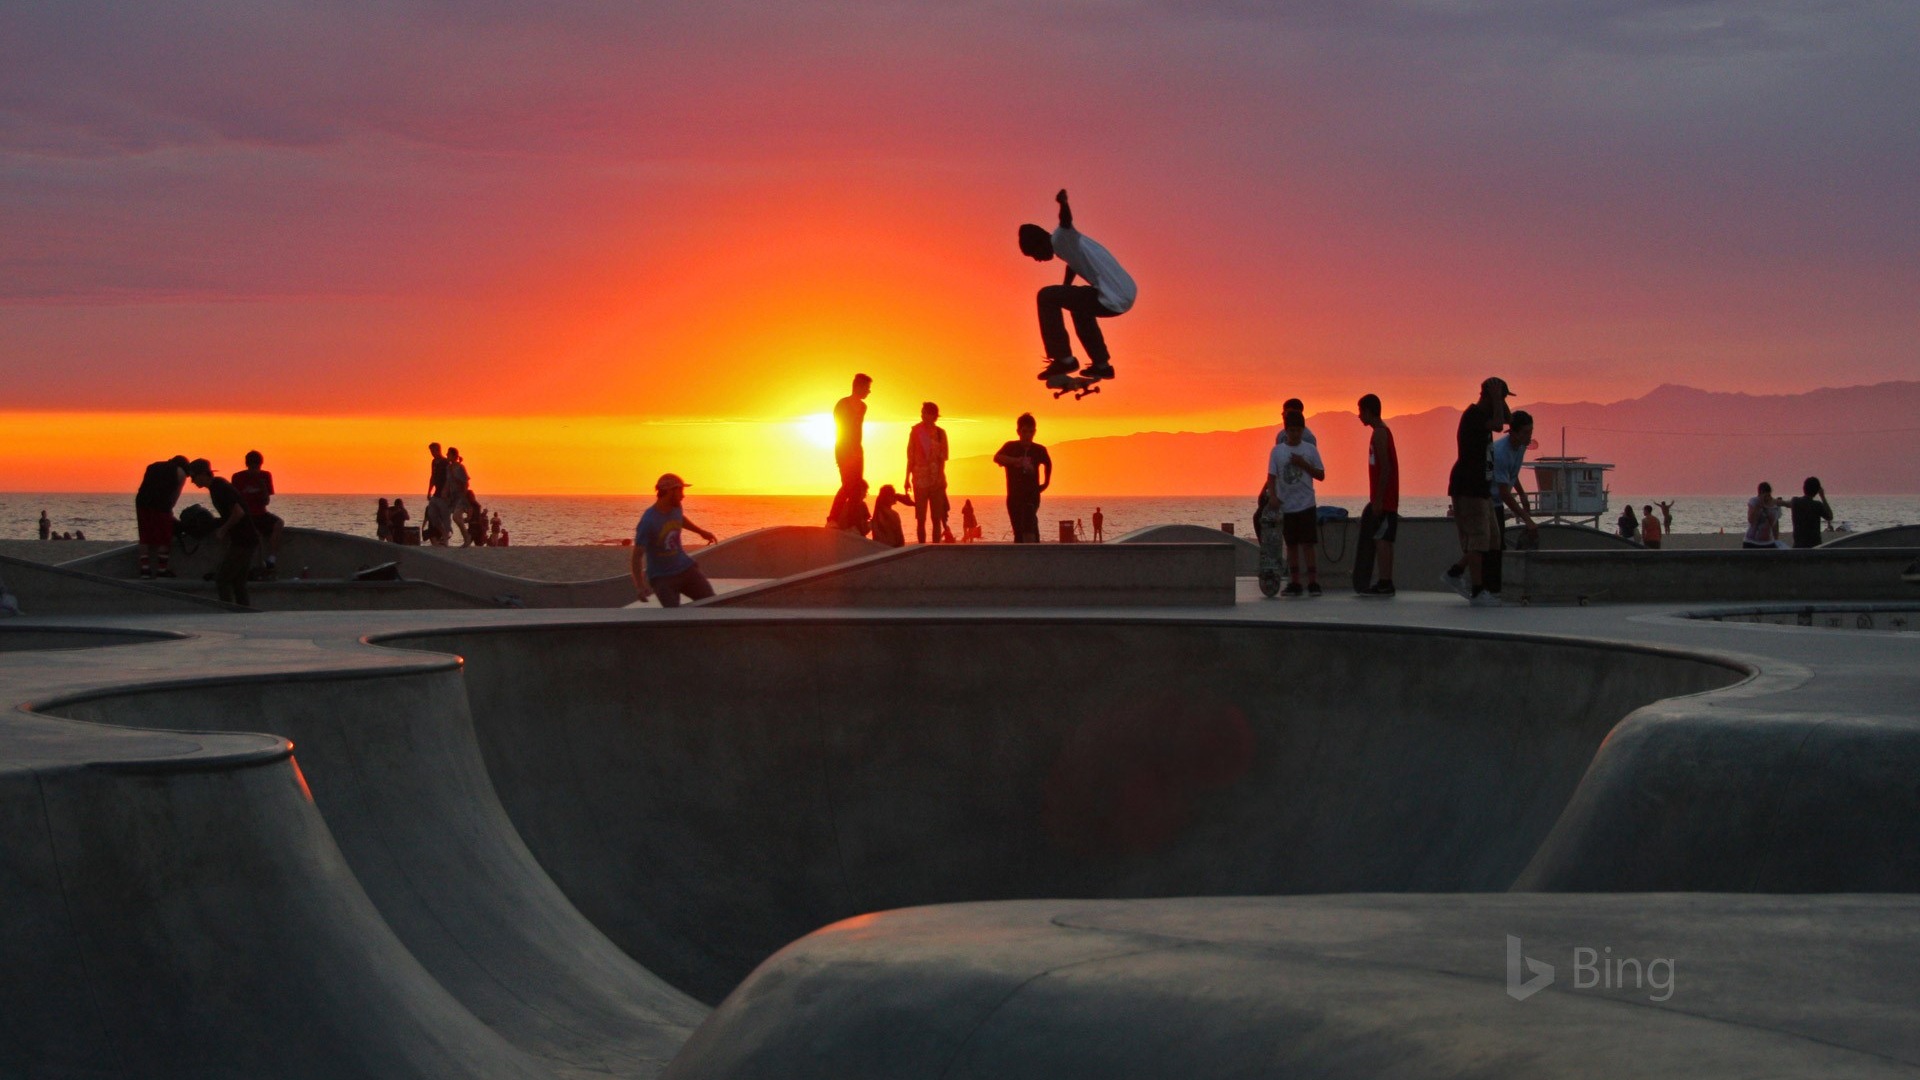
[(32, 638), (707, 791)]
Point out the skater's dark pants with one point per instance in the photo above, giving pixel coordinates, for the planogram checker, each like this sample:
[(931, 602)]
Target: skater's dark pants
[(691, 584), (1084, 302), (853, 469), (1025, 516), (1490, 568), (230, 577)]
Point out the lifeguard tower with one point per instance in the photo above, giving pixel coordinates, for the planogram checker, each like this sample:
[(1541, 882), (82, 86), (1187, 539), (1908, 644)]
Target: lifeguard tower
[(1570, 489)]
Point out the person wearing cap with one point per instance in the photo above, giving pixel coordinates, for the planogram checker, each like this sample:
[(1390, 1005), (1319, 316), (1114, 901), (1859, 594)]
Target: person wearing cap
[(1470, 486), (153, 513), (236, 530), (659, 564)]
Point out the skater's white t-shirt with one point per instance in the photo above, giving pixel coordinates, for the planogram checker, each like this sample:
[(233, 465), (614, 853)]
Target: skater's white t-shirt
[(1098, 266), (1293, 484)]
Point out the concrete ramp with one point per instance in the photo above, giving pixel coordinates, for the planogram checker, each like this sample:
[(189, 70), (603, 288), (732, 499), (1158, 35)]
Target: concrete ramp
[(1246, 553), (782, 551), (390, 759), (1898, 536), (815, 769), (1641, 576), (1009, 575), (61, 590), (177, 908)]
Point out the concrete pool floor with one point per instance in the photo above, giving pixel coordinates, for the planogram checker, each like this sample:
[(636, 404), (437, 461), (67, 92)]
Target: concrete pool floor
[(182, 909)]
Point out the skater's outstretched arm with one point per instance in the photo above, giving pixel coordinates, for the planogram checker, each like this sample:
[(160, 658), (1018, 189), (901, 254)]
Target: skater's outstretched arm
[(1066, 212)]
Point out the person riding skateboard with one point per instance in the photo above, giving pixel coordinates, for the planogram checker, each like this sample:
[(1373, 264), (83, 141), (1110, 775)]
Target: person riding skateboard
[(1109, 291)]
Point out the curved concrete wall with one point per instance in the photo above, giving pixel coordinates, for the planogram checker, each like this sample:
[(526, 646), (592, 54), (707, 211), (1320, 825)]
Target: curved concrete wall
[(1898, 536), (391, 762), (1246, 553), (813, 770)]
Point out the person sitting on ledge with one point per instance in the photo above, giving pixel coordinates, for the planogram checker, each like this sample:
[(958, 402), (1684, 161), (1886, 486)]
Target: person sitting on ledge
[(886, 520)]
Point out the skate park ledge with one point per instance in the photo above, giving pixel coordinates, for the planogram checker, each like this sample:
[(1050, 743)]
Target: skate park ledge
[(1009, 575)]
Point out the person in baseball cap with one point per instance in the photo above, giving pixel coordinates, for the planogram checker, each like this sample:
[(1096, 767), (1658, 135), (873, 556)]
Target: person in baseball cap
[(659, 564)]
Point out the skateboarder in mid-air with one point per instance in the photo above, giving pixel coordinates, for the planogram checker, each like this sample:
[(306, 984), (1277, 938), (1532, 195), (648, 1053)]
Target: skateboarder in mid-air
[(1108, 291)]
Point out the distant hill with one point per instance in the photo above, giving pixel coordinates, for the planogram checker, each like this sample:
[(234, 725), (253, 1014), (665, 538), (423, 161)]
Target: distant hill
[(1674, 440)]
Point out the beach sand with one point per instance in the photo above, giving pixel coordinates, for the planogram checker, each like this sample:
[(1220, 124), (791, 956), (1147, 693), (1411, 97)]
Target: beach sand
[(592, 562)]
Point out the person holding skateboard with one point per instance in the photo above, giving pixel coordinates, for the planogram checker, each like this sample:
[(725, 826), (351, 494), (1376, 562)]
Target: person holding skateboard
[(1109, 291)]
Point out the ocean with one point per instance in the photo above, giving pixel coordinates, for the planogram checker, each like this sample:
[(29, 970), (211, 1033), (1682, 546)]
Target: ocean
[(606, 519)]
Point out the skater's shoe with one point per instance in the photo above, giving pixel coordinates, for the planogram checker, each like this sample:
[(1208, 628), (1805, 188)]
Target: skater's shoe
[(1293, 589), (1484, 598), (1313, 588), (1381, 589), (163, 573), (1098, 371), (1056, 368), (1458, 583), (146, 575)]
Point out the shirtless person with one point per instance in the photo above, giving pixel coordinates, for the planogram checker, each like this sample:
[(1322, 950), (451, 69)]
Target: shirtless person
[(1109, 291)]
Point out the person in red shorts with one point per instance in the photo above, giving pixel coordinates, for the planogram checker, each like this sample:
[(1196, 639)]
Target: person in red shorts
[(153, 513), (255, 486)]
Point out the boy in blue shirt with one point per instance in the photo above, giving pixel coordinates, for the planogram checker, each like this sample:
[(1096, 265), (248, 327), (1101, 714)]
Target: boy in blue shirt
[(659, 564)]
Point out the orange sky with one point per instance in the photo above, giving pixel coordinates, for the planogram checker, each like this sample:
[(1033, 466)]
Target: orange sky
[(591, 244)]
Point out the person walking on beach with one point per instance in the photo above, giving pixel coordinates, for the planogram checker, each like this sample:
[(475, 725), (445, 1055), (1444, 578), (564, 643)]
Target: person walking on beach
[(236, 530), (1470, 487), (969, 523), (1763, 519), (397, 521), (1650, 530), (1808, 510), (1292, 467), (849, 427), (1109, 291), (1099, 526), (1023, 459), (46, 525), (659, 564), (153, 505), (1380, 521), (926, 484), (1509, 496), (255, 486)]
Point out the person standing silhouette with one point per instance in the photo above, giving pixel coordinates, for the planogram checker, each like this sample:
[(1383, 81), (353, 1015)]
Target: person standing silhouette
[(927, 474), (1024, 459), (1099, 526), (849, 423)]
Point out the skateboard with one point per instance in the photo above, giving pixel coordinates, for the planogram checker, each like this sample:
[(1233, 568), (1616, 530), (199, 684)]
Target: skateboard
[(1079, 384), (1272, 554)]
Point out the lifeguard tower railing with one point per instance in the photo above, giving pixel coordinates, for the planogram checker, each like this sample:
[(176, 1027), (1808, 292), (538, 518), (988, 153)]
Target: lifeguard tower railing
[(1569, 488)]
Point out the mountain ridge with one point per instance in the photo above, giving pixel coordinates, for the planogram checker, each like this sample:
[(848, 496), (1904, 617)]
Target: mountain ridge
[(1673, 439)]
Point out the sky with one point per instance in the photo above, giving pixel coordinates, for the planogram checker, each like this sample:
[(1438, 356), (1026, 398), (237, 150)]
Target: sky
[(590, 242)]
